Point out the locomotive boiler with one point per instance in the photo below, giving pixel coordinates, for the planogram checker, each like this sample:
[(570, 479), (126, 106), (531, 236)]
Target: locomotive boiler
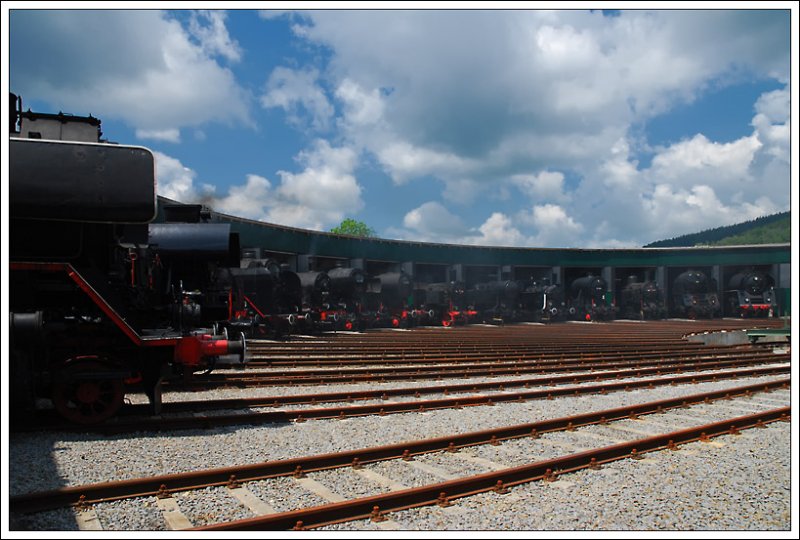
[(642, 300), (495, 301), (694, 296), (388, 300)]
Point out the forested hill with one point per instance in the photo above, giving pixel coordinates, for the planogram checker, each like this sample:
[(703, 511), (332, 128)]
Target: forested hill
[(774, 229)]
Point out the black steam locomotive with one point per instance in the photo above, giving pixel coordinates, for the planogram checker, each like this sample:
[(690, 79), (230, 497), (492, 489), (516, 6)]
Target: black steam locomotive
[(102, 300), (751, 294), (694, 296), (445, 304), (496, 302), (642, 300), (542, 301), (587, 301)]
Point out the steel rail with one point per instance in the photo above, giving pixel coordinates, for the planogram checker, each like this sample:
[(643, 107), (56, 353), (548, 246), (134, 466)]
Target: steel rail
[(269, 379), (297, 399), (324, 358), (122, 425), (376, 507), (166, 484), (453, 364)]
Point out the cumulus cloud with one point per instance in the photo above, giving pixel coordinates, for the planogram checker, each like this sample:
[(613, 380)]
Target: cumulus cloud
[(323, 193), (251, 200), (498, 230), (318, 197), (542, 111), (299, 95), (547, 185), (176, 181), (552, 226), (433, 220), (167, 135), (214, 38), (139, 66), (558, 92)]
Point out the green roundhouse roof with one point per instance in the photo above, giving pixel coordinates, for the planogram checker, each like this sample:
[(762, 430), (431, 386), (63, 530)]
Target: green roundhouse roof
[(283, 239)]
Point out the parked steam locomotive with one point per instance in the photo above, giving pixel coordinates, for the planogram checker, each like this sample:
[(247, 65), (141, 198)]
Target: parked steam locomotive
[(694, 296), (642, 300), (445, 303), (751, 294), (496, 302), (100, 298), (587, 300), (542, 301)]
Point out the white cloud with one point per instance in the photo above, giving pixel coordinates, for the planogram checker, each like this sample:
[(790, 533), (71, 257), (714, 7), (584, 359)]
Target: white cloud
[(174, 180), (673, 212), (772, 125), (318, 197), (552, 225), (433, 220), (322, 194), (547, 185), (167, 135), (498, 230), (138, 66), (250, 200), (298, 93), (214, 38), (698, 155), (548, 91), (362, 108)]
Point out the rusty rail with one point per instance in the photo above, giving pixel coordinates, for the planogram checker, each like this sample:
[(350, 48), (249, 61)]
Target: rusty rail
[(443, 493), (110, 491)]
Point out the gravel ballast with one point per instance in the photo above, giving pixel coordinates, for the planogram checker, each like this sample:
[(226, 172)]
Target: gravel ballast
[(741, 483)]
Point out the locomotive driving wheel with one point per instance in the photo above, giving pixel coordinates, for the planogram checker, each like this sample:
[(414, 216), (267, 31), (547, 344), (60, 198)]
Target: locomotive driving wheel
[(84, 392)]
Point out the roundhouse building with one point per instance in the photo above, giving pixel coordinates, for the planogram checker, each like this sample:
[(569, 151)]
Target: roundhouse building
[(305, 250)]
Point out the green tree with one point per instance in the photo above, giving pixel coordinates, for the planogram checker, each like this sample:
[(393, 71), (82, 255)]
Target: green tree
[(354, 228)]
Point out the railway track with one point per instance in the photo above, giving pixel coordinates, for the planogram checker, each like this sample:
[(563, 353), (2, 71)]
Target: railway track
[(424, 455), (491, 394), (666, 360), (442, 493)]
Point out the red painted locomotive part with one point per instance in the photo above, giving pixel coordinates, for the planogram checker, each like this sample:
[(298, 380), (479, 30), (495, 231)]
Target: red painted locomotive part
[(366, 507), (109, 491)]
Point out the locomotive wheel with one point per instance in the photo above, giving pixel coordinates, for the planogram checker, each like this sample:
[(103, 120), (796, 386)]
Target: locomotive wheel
[(87, 401)]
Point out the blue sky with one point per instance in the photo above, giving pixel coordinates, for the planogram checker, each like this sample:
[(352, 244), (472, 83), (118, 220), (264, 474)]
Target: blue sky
[(561, 128)]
